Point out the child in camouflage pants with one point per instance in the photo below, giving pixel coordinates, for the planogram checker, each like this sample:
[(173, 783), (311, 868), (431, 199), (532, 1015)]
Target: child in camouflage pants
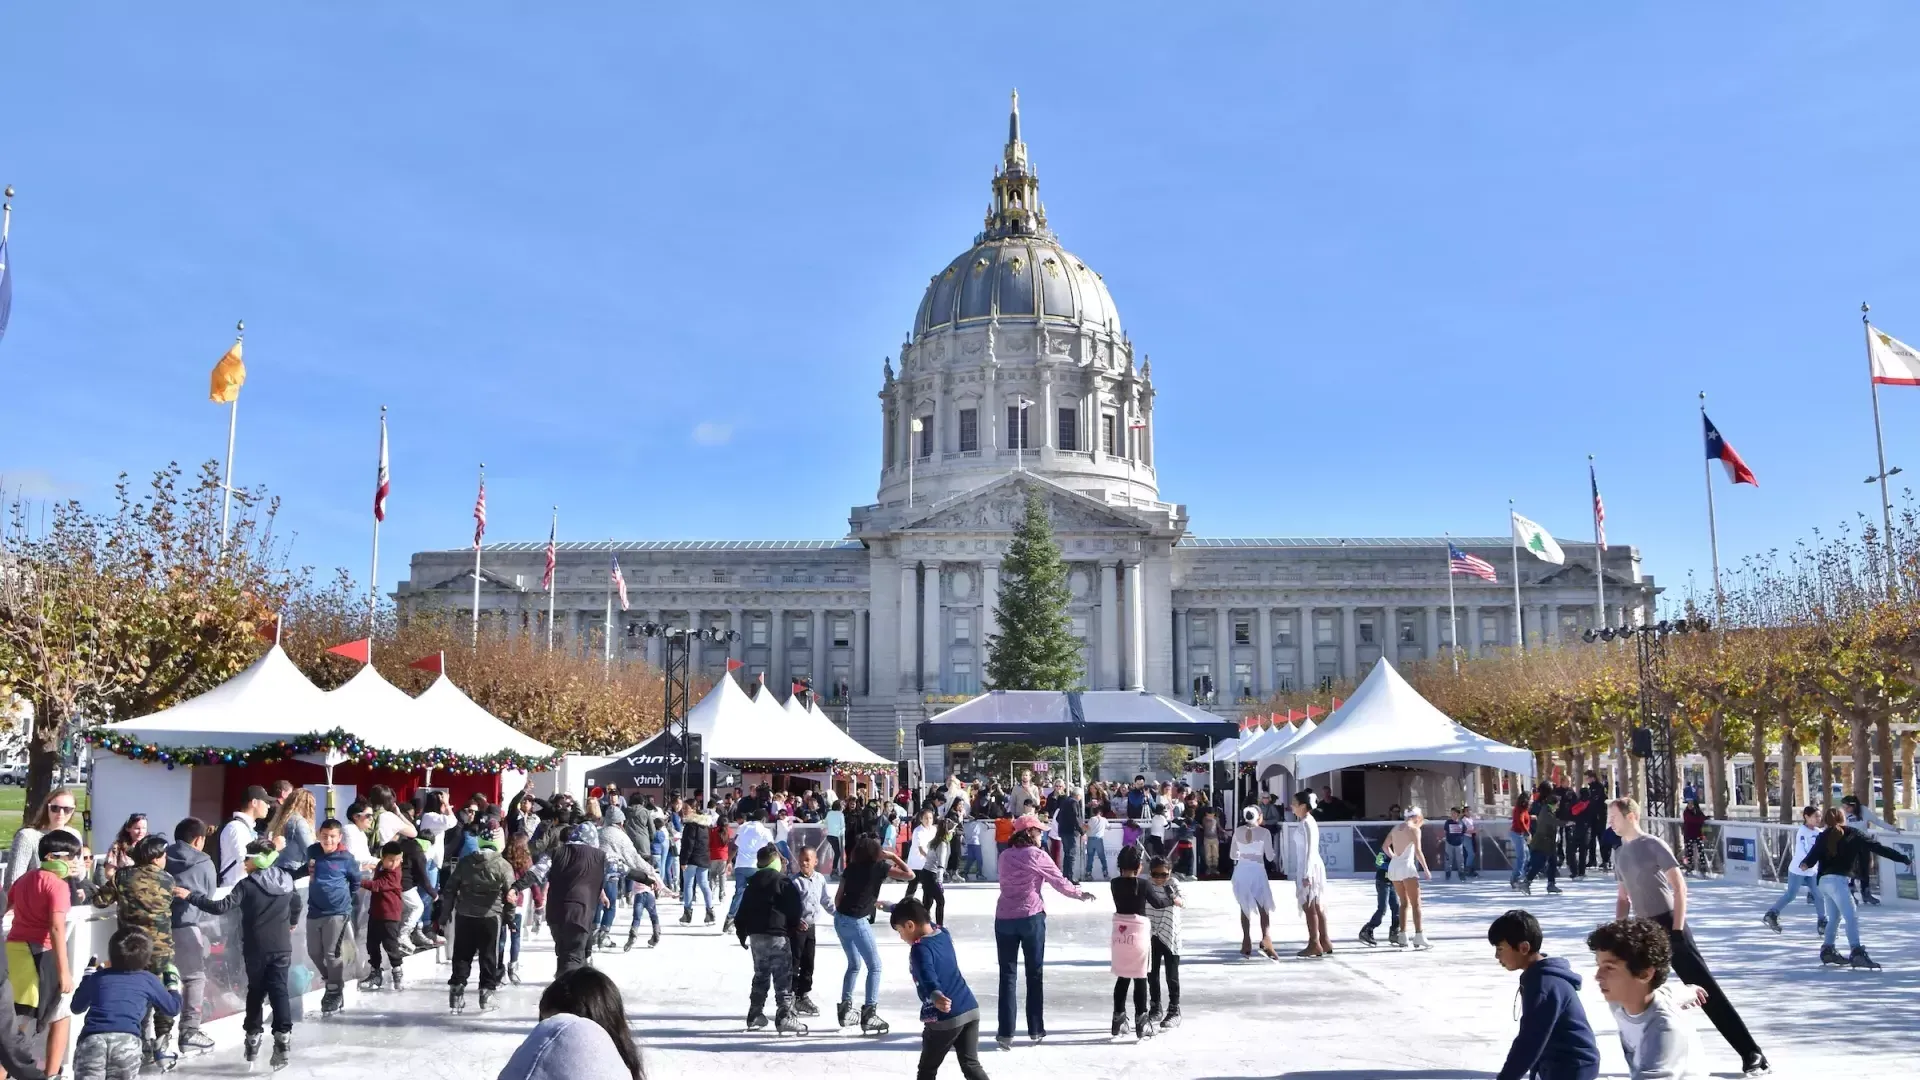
[(145, 893)]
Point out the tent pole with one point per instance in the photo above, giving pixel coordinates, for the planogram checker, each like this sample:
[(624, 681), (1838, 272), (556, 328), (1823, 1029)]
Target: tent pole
[(331, 811)]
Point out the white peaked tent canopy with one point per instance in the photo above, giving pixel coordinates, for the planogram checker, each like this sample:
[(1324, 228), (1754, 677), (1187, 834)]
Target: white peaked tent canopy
[(735, 727), (268, 701), (445, 717), (1387, 722), (1222, 751), (1264, 742), (375, 705), (845, 749)]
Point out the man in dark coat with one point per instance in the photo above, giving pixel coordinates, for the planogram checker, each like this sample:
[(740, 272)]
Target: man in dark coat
[(575, 883)]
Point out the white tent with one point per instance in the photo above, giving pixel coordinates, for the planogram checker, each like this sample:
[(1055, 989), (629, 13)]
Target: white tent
[(376, 705), (735, 727), (1222, 751), (445, 717), (1264, 741), (844, 748), (1387, 722), (268, 701)]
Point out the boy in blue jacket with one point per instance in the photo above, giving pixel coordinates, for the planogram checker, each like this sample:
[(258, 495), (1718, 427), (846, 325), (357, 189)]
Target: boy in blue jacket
[(336, 880), (947, 1006), (115, 999), (1555, 1042)]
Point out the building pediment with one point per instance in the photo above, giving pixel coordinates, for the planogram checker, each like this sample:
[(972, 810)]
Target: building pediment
[(1580, 574), (463, 581), (1000, 506)]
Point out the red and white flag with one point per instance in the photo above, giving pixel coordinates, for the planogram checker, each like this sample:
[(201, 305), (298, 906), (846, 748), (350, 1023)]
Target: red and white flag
[(1718, 449), (381, 485), (619, 583), (546, 579), (1895, 363), (480, 516), (1599, 510)]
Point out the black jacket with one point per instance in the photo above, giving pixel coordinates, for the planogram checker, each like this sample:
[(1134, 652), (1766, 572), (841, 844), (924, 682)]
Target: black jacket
[(574, 885), (269, 906), (693, 843), (1843, 857), (770, 905)]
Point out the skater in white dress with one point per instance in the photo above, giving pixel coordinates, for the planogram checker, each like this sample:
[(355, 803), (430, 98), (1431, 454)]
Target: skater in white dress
[(1252, 851), (1405, 863), (1309, 872)]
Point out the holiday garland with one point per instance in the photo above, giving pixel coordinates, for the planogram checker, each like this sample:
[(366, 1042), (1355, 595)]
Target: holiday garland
[(813, 766), (356, 751)]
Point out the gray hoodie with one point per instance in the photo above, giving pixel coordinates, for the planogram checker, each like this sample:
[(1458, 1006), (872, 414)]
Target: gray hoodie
[(566, 1047), (1660, 1043)]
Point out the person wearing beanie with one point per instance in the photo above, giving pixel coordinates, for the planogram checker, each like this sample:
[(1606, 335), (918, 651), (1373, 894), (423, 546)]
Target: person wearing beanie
[(477, 894)]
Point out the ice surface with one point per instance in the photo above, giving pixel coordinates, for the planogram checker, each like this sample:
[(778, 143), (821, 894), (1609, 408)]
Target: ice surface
[(1363, 1013)]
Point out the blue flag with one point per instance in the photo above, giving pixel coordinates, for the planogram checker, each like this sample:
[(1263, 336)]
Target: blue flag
[(6, 289)]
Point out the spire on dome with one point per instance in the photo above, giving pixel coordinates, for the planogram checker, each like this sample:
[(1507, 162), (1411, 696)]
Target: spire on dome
[(1016, 209)]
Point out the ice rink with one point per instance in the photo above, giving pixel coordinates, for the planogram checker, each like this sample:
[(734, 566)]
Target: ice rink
[(1362, 1013)]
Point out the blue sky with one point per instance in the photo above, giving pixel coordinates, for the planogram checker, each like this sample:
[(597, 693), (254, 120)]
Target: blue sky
[(1394, 263)]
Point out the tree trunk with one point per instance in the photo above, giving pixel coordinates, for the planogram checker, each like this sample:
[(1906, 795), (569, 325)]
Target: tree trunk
[(1861, 734), (1824, 797), (1716, 750), (1883, 735), (1759, 751), (1906, 770), (1790, 795)]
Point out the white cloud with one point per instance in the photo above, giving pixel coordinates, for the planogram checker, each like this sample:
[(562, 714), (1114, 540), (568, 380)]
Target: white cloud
[(712, 433)]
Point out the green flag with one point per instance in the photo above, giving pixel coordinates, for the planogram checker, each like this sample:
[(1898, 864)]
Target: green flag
[(1536, 541)]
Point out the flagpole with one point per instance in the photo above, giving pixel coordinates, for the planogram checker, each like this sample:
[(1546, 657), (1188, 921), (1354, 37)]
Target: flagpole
[(1880, 448), (1453, 622), (553, 579), (476, 567), (607, 636), (1519, 625), (1713, 529), (373, 578), (1599, 551), (6, 215), (233, 424)]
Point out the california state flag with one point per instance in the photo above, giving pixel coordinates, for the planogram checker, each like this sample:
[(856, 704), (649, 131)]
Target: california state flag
[(1895, 363)]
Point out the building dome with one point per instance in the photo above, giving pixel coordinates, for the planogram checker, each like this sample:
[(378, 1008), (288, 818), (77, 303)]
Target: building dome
[(1017, 278)]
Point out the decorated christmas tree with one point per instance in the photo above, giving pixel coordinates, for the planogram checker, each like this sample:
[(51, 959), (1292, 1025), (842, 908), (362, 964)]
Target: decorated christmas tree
[(1035, 648)]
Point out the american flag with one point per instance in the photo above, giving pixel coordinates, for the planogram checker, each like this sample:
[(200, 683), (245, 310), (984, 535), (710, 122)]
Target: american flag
[(619, 583), (1599, 511), (1459, 562), (480, 516), (380, 485), (546, 579)]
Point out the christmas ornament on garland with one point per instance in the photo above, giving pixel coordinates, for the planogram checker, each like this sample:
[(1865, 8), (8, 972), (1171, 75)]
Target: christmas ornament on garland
[(356, 751)]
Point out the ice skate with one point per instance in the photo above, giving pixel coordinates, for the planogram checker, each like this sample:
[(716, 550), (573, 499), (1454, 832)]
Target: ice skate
[(1266, 949), (725, 927), (686, 916), (332, 1002), (870, 1022), (1171, 1020), (396, 980), (1822, 928), (165, 1060), (1143, 1025), (786, 1023), (604, 941), (1003, 1042), (1552, 889), (633, 935), (486, 1000), (1831, 955), (1859, 958), (1366, 938), (840, 1013), (419, 940), (804, 1006), (193, 1043), (709, 917), (1120, 1025), (250, 1047), (653, 941), (457, 1000), (1397, 938), (1756, 1067), (1526, 886), (1772, 921), (375, 980), (756, 1020), (1420, 941), (282, 1042), (513, 973)]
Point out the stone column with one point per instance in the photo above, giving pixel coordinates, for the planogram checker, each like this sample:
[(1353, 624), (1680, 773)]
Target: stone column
[(694, 616), (822, 648), (930, 611), (860, 653), (1433, 632), (939, 417), (1473, 629), (1182, 682), (989, 599), (909, 626), (1550, 624), (991, 421), (1390, 643), (736, 621), (1263, 626), (1349, 663), (1108, 647), (1309, 655), (1136, 627), (776, 645), (658, 618), (1223, 653)]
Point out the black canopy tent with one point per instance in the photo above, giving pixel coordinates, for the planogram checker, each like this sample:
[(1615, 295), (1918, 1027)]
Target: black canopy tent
[(1050, 716), (656, 765)]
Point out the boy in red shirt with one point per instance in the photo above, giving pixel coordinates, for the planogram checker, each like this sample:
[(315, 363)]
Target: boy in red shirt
[(384, 914), (718, 839), (37, 942)]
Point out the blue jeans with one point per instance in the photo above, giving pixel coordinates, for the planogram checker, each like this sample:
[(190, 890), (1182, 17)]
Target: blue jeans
[(1097, 845), (510, 938), (1519, 841), (1473, 854), (669, 866), (1070, 857), (610, 897), (1454, 857), (740, 876), (856, 939), (1385, 900), (1796, 882), (1013, 939), (786, 855), (1833, 888), (643, 901), (971, 858), (692, 877)]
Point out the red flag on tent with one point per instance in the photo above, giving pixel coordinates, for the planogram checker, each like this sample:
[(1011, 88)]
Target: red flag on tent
[(733, 665), (1336, 703), (353, 650), (436, 663), (269, 631)]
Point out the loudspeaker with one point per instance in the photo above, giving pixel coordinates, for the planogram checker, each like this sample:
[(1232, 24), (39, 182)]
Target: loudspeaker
[(910, 775), (1643, 742)]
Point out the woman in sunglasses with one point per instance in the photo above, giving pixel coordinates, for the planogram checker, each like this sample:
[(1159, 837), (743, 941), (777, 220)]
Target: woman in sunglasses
[(58, 812)]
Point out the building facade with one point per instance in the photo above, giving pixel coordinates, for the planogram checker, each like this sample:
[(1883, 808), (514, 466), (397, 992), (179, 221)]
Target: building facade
[(1018, 375)]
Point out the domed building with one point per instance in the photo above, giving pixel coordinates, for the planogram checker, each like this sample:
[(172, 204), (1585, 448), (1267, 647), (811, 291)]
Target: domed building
[(1018, 375)]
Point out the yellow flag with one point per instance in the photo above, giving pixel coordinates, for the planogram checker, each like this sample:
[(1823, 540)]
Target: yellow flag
[(228, 376)]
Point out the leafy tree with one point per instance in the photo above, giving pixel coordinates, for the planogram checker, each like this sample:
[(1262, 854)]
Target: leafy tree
[(1035, 648)]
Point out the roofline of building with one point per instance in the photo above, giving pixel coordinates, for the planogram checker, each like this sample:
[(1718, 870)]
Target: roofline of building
[(1330, 543)]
